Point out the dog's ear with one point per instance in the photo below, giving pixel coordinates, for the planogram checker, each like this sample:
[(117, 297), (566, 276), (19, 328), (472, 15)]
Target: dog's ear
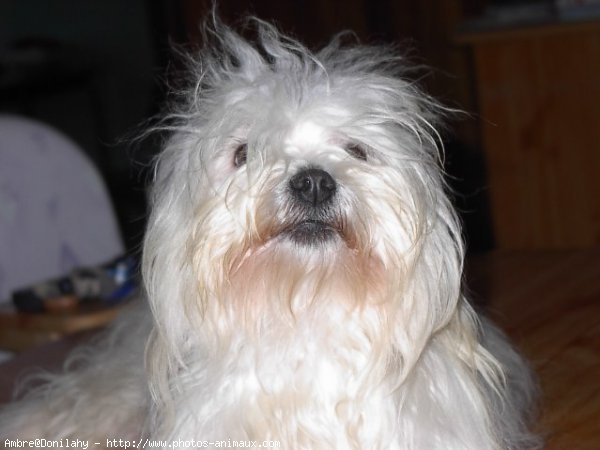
[(164, 270), (429, 289)]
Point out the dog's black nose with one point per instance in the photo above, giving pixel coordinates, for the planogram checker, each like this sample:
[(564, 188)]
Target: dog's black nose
[(314, 186)]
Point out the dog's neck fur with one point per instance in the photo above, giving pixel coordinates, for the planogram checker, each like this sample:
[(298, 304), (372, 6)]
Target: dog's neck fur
[(328, 377)]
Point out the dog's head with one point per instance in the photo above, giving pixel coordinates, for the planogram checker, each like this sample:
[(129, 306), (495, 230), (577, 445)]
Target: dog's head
[(296, 182)]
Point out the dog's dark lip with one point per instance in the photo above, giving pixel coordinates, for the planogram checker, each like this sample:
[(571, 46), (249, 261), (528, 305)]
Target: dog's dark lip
[(309, 232)]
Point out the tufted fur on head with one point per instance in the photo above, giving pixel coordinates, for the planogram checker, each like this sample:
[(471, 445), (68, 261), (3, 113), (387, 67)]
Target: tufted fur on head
[(303, 262)]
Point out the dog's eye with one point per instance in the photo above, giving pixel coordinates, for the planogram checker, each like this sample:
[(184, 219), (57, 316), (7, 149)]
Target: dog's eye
[(239, 158), (356, 150)]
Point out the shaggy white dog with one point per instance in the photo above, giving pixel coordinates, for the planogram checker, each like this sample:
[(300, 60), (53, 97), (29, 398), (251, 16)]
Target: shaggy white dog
[(303, 269)]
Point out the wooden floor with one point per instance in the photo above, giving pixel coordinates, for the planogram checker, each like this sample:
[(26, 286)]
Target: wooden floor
[(548, 302)]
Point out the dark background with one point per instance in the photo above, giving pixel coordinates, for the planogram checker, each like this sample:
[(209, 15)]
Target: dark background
[(107, 63)]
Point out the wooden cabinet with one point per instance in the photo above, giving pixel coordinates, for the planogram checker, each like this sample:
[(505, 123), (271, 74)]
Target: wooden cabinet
[(539, 102)]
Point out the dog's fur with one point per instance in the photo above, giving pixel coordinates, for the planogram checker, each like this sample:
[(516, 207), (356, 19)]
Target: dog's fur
[(303, 269)]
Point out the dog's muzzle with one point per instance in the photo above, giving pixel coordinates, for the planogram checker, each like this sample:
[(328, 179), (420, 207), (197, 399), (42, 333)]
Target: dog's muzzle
[(313, 192)]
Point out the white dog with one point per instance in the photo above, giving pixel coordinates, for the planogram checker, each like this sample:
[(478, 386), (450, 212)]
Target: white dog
[(303, 268)]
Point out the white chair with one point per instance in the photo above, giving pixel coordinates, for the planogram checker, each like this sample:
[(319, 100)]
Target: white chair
[(55, 213)]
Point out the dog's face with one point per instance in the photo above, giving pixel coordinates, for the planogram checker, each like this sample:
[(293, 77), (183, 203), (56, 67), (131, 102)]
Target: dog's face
[(296, 182)]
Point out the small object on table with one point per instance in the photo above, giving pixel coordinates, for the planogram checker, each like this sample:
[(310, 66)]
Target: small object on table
[(111, 283), (85, 299)]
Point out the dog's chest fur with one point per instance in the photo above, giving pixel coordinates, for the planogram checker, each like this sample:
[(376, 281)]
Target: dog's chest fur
[(317, 383)]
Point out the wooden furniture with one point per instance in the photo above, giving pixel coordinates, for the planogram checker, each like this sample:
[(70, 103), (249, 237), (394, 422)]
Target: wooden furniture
[(19, 331), (539, 104), (548, 302)]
